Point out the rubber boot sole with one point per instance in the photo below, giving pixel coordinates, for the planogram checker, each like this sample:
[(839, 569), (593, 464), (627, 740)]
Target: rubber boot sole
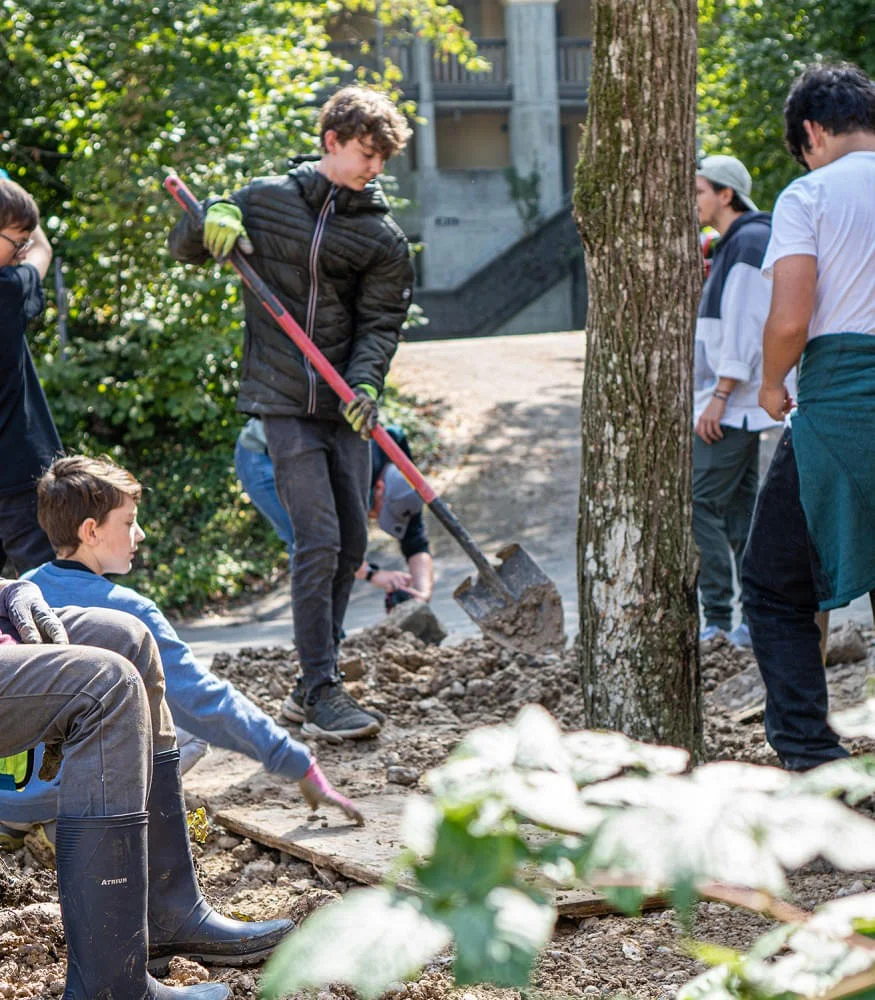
[(160, 966)]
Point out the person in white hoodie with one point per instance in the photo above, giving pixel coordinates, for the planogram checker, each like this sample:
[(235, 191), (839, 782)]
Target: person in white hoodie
[(728, 367)]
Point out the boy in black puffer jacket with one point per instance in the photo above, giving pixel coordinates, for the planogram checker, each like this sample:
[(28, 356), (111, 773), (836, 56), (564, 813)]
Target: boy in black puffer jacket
[(324, 241)]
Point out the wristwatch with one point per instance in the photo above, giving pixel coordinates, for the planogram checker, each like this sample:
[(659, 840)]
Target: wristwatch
[(372, 568)]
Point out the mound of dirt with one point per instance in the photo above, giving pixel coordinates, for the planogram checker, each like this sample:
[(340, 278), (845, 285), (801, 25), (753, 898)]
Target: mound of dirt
[(433, 696)]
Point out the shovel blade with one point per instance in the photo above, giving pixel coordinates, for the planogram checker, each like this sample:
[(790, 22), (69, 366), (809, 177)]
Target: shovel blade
[(527, 616)]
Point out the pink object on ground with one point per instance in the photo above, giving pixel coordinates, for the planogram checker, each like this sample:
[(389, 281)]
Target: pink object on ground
[(317, 789)]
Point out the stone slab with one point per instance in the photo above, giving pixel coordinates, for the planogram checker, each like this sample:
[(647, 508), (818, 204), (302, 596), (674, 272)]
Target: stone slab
[(326, 839)]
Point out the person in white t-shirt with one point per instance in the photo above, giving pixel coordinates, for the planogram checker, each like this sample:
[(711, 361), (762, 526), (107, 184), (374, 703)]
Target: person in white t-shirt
[(812, 544)]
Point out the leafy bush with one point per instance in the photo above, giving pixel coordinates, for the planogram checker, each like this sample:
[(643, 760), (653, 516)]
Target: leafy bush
[(90, 124), (749, 54), (206, 544), (627, 817)]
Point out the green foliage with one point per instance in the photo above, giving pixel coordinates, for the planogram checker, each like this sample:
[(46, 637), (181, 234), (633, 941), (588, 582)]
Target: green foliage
[(385, 937), (749, 53), (205, 542), (91, 122), (521, 807), (525, 192)]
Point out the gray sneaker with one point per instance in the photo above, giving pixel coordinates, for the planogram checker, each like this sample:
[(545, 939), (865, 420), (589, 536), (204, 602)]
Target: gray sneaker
[(335, 716), (293, 707), (740, 637)]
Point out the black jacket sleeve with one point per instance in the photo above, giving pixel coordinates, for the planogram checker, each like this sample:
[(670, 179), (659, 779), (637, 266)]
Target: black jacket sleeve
[(382, 300), (415, 539)]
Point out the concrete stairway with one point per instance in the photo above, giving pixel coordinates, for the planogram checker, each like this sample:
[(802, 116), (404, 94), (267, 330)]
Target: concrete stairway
[(508, 283)]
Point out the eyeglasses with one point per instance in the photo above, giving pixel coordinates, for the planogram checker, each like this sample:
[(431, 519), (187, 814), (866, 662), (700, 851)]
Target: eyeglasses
[(21, 246)]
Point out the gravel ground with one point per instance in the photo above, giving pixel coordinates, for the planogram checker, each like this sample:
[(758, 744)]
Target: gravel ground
[(432, 697)]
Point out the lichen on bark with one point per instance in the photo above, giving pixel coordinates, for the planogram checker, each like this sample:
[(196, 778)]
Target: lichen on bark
[(634, 204)]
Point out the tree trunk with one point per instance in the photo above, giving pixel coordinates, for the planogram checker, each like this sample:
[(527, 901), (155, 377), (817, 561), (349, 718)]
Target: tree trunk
[(634, 202)]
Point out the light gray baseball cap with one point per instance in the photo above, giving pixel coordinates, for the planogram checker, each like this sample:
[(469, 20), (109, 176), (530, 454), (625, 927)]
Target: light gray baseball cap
[(729, 172), (400, 503)]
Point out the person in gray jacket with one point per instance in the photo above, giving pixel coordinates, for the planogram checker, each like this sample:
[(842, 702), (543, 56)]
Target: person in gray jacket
[(323, 240)]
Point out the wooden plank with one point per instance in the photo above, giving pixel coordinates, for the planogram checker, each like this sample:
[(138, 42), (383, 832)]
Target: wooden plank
[(752, 713), (326, 839)]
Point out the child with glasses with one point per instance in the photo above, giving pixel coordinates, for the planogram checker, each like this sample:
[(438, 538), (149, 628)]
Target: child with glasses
[(28, 438)]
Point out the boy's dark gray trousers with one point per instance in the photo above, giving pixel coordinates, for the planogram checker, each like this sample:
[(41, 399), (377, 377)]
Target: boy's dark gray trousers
[(101, 697), (322, 470)]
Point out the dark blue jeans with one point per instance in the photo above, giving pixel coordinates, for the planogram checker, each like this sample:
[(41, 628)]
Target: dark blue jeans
[(779, 592), (255, 472)]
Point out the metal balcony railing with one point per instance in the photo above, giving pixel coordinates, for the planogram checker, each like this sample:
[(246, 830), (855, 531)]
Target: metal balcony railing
[(573, 66), (451, 81)]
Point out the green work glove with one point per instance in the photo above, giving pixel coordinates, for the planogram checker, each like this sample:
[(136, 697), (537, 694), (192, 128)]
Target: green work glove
[(223, 227), (362, 412)]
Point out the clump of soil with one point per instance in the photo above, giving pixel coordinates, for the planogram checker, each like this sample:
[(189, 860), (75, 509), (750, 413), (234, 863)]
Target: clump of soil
[(432, 696)]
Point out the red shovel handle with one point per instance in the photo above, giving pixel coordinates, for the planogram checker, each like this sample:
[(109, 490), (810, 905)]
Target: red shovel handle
[(287, 323)]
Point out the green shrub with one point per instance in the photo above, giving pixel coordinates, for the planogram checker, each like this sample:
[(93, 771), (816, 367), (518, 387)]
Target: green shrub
[(206, 544)]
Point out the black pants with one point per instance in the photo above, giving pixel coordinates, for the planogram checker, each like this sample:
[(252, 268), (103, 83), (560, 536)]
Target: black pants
[(779, 592), (22, 541)]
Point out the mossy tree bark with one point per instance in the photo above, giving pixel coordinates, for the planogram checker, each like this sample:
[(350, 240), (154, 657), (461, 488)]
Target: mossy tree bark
[(634, 201)]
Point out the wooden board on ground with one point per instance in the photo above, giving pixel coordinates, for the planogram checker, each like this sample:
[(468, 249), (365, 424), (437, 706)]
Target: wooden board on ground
[(326, 839), (753, 713)]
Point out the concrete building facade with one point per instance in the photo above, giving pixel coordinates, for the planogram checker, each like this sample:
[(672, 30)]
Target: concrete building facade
[(489, 172)]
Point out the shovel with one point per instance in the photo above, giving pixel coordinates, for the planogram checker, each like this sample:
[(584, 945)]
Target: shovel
[(515, 603)]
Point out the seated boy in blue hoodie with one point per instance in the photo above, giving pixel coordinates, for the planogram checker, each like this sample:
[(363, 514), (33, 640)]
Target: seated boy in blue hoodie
[(88, 509)]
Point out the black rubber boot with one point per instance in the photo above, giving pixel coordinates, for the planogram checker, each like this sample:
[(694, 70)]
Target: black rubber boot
[(102, 887), (181, 922)]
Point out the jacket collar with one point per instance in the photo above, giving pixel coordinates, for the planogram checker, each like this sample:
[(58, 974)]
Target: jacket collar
[(745, 219), (315, 188)]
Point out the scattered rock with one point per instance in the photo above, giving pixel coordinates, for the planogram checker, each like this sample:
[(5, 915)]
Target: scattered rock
[(352, 667), (631, 951), (260, 868), (402, 775), (418, 619), (184, 972), (845, 645), (853, 889), (245, 852), (740, 692)]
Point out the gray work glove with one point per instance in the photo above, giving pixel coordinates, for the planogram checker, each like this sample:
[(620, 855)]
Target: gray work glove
[(22, 603)]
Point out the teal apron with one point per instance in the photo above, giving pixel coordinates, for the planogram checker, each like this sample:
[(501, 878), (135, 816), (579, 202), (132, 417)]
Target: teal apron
[(834, 443)]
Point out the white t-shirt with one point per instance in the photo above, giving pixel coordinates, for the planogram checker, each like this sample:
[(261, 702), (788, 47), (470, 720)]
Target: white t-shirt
[(830, 214), (732, 347)]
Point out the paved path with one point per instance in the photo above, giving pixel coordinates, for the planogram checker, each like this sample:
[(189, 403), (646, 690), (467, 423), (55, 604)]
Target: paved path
[(512, 417), (512, 414)]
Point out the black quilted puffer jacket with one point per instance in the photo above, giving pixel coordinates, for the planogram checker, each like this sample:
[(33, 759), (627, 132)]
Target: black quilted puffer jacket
[(339, 264)]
